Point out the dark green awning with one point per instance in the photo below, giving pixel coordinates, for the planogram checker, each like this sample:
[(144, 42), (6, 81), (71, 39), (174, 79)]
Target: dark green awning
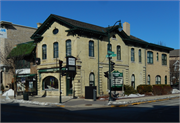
[(23, 49)]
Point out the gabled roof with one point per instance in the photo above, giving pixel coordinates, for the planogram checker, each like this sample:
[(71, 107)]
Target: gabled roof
[(175, 53), (77, 25), (23, 49)]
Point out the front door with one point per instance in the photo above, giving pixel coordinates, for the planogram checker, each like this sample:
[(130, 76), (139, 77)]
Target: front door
[(68, 84)]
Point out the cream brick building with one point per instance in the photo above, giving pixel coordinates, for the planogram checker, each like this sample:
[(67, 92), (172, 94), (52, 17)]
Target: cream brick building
[(59, 37), (15, 34)]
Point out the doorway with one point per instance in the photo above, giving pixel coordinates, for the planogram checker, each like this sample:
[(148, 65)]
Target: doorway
[(68, 85)]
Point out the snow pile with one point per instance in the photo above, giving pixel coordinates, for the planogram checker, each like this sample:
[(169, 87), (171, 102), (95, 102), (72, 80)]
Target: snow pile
[(10, 92), (174, 91), (133, 95)]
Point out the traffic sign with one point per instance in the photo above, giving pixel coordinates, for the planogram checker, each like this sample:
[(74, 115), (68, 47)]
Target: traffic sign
[(110, 52)]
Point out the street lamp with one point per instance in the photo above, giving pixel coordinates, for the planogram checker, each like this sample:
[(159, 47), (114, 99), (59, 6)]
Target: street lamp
[(108, 33)]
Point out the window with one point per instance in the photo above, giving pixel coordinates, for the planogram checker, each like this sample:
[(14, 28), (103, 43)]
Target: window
[(148, 80), (55, 45), (50, 83), (44, 51), (150, 57), (164, 59), (157, 56), (22, 64), (132, 54), (91, 48), (133, 81), (118, 53), (158, 79), (139, 55), (166, 80), (91, 79), (68, 48)]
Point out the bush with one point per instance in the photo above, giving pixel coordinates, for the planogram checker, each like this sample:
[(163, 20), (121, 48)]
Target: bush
[(129, 90), (142, 89), (161, 89)]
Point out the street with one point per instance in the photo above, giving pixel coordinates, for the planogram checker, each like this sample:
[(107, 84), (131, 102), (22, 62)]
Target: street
[(163, 111)]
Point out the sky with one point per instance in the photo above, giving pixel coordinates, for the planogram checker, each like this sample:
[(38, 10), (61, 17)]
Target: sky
[(151, 21)]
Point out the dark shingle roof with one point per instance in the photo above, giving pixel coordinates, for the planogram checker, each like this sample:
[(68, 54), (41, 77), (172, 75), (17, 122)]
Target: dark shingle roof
[(174, 53), (81, 24), (135, 38)]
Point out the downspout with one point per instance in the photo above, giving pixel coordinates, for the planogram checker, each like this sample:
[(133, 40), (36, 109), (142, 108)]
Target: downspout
[(98, 70), (145, 62)]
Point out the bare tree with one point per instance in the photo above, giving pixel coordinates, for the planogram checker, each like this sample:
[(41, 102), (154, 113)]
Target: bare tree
[(161, 43), (10, 57), (174, 71)]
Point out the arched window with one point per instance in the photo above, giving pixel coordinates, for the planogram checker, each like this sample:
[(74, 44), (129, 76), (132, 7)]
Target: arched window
[(55, 47), (68, 48), (44, 51), (139, 55), (91, 79), (149, 80), (150, 57), (50, 83), (91, 48), (133, 81), (132, 54), (118, 52), (158, 79), (166, 80)]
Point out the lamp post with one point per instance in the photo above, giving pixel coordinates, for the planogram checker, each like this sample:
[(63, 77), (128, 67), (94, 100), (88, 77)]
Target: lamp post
[(108, 33)]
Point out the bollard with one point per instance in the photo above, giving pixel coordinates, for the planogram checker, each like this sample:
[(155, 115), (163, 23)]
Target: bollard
[(94, 94)]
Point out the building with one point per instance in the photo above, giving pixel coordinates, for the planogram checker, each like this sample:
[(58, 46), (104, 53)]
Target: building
[(59, 37), (174, 59), (11, 35)]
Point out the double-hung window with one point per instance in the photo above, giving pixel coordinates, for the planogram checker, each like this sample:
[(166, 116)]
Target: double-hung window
[(68, 48), (91, 48), (44, 51), (55, 45), (150, 57), (148, 79), (118, 53), (164, 59), (132, 54)]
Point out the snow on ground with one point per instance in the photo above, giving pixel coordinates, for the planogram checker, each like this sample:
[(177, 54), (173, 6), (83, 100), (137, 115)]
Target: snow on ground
[(174, 91), (10, 92), (133, 95)]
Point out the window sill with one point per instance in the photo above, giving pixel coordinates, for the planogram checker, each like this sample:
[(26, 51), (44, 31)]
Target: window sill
[(91, 57), (150, 63), (118, 60), (133, 62), (164, 64), (51, 90)]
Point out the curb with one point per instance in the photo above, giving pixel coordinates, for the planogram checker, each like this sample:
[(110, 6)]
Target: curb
[(141, 102)]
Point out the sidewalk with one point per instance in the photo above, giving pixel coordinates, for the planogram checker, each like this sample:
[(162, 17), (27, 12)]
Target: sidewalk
[(68, 101)]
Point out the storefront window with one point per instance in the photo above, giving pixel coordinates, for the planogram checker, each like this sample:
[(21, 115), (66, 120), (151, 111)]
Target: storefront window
[(50, 83)]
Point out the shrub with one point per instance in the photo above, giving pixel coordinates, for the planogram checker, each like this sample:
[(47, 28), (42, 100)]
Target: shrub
[(161, 89), (142, 89), (129, 90)]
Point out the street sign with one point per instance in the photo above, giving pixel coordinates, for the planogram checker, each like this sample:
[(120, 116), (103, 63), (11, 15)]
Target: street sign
[(110, 52), (112, 55), (116, 79)]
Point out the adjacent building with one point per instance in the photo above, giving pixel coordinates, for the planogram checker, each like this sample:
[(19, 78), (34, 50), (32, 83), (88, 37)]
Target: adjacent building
[(11, 35), (174, 59), (58, 37)]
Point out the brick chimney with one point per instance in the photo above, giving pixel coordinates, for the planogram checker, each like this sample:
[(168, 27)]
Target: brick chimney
[(126, 28)]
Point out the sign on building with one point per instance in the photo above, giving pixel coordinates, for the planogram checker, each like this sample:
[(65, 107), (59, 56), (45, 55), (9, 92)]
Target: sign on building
[(3, 33)]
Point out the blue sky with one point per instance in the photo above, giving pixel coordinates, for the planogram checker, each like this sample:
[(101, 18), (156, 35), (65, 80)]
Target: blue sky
[(152, 21)]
